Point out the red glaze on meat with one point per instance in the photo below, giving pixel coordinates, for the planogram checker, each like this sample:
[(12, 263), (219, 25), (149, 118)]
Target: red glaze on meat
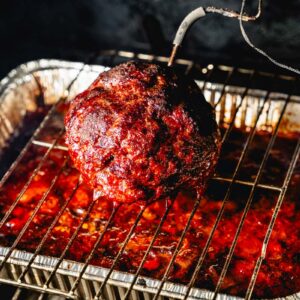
[(142, 132)]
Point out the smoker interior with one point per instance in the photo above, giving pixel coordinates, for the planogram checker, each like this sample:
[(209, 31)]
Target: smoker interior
[(244, 99)]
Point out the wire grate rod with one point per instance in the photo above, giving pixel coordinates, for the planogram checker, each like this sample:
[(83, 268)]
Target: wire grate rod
[(34, 213), (47, 145), (28, 182), (157, 231), (249, 201), (176, 251), (37, 288), (243, 97), (69, 244), (116, 260), (225, 85), (248, 183), (49, 230), (273, 220), (95, 247)]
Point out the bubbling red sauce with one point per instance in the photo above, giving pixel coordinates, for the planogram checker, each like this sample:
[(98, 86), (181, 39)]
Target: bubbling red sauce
[(280, 271)]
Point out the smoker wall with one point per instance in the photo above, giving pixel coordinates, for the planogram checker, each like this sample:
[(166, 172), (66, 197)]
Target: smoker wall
[(69, 29)]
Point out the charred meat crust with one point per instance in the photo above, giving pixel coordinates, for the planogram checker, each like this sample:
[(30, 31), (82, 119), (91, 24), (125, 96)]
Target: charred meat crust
[(142, 132)]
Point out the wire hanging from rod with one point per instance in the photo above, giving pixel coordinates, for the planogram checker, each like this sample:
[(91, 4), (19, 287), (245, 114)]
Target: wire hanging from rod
[(200, 12), (242, 17), (260, 51)]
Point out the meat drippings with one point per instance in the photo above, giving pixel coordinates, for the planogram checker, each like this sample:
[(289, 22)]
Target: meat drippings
[(280, 272)]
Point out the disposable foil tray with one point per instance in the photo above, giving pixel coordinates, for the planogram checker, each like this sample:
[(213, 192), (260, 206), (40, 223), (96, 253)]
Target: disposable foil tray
[(18, 94)]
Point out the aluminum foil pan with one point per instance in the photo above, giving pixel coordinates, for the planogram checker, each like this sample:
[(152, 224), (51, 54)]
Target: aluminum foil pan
[(18, 94)]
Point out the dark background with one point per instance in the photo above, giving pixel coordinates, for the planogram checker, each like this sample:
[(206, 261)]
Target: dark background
[(71, 29)]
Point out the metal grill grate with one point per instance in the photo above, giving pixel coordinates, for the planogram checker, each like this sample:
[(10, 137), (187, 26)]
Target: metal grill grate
[(217, 83)]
